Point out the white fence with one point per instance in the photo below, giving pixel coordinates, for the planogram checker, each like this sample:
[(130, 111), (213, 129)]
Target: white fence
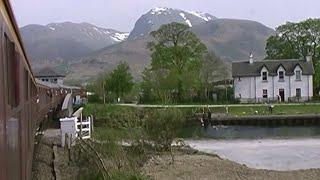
[(83, 128), (75, 126)]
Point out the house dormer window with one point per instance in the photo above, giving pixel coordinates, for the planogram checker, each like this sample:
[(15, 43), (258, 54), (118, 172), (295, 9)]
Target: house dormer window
[(281, 76), (298, 75), (264, 76)]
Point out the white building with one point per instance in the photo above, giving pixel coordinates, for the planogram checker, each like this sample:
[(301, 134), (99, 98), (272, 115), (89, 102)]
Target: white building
[(273, 80), (49, 75)]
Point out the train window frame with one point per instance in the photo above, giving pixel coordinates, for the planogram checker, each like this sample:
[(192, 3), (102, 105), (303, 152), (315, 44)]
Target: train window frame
[(12, 73), (26, 82)]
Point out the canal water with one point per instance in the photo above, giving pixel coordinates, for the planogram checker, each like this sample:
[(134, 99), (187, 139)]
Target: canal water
[(260, 132), (275, 148)]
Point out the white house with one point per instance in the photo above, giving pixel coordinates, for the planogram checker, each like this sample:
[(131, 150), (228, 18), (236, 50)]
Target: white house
[(49, 75), (287, 80)]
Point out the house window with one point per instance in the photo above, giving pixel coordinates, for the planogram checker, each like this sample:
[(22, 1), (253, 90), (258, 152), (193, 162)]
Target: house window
[(281, 76), (264, 76), (298, 75), (265, 93), (298, 93)]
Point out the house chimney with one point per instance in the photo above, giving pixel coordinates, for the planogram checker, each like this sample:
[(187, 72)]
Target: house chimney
[(309, 58), (251, 58)]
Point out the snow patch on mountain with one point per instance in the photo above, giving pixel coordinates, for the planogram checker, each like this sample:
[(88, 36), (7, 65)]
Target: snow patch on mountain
[(185, 18), (52, 28), (160, 10), (119, 37), (201, 15)]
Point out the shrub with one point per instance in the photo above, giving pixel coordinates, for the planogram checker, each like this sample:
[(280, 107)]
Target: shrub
[(162, 126)]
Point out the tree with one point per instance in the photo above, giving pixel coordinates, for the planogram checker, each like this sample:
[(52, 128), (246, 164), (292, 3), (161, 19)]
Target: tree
[(177, 51), (296, 40), (99, 87), (213, 69), (120, 80)]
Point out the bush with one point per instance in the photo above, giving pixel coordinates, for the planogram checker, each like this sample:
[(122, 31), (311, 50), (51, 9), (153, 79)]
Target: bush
[(162, 127)]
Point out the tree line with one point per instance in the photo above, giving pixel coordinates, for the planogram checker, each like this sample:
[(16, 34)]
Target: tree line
[(296, 41)]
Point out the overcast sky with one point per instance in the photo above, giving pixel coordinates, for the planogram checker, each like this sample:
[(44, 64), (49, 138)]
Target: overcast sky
[(122, 14)]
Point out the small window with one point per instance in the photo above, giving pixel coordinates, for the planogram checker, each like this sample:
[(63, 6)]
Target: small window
[(298, 75), (281, 76), (298, 93), (264, 76), (265, 93)]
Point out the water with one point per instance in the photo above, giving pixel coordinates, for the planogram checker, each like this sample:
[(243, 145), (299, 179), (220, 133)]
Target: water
[(272, 154), (274, 148), (260, 132)]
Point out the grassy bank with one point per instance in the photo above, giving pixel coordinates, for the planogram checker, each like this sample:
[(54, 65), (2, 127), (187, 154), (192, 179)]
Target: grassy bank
[(115, 119)]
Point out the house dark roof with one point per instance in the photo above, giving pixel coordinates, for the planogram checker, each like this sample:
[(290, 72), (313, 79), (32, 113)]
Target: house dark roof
[(48, 72), (244, 68)]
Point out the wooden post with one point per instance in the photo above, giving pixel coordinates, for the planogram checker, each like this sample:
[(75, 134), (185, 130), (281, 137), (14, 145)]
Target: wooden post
[(69, 148), (91, 122), (81, 125)]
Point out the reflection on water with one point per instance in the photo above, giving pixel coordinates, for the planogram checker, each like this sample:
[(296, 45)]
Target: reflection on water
[(260, 132)]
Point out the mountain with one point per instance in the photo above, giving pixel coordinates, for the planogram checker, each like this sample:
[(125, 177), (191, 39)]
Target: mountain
[(231, 39), (67, 40), (234, 39), (156, 17), (84, 50)]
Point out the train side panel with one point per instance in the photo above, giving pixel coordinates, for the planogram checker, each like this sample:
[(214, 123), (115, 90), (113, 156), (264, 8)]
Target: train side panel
[(18, 103)]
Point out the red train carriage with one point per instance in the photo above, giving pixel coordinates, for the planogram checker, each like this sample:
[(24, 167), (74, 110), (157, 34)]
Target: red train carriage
[(23, 102), (18, 101)]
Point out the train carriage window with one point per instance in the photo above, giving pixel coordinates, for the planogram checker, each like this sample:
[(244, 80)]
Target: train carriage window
[(12, 73), (26, 85)]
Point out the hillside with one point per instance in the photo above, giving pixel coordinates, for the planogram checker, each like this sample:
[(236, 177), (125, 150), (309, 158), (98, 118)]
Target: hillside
[(64, 41), (228, 38)]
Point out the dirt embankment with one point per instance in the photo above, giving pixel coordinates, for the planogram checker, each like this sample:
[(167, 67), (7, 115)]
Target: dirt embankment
[(43, 162), (200, 166)]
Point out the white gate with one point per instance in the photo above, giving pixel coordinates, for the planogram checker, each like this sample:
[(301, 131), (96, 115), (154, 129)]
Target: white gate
[(83, 128), (75, 126)]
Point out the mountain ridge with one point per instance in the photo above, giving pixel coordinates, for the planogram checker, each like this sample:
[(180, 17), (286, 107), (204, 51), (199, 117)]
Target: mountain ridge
[(230, 39), (67, 40)]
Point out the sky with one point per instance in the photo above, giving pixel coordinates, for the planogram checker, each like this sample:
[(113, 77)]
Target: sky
[(122, 14)]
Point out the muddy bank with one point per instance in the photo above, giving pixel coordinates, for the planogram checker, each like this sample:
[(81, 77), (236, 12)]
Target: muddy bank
[(199, 166)]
